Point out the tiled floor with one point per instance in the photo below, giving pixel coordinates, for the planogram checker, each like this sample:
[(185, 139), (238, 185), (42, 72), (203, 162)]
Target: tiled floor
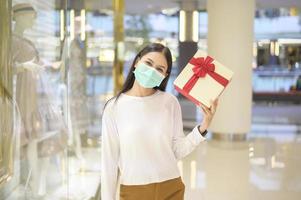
[(262, 168), (77, 182), (265, 167)]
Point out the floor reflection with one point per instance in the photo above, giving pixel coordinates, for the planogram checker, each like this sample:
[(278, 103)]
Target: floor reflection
[(260, 168), (80, 180)]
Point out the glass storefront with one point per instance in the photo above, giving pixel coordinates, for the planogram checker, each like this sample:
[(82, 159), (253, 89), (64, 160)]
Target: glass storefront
[(50, 117), (56, 74)]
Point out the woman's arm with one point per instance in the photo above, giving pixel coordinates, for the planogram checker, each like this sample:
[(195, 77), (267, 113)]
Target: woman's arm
[(109, 156), (183, 145)]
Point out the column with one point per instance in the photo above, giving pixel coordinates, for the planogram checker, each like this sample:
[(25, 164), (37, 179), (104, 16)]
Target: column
[(188, 32), (118, 8), (230, 41), (188, 45)]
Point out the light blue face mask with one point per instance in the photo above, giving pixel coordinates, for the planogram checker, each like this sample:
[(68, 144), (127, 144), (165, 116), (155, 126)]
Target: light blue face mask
[(147, 76)]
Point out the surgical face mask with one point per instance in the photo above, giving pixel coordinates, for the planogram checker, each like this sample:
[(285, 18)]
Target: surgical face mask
[(147, 76)]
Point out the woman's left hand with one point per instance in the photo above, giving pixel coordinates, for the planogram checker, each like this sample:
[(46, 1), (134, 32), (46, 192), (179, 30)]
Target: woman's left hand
[(208, 114)]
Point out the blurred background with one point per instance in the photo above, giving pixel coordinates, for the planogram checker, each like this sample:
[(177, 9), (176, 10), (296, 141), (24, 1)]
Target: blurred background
[(60, 60)]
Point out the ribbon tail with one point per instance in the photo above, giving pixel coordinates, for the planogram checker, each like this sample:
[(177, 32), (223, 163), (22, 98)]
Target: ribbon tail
[(219, 78), (189, 85)]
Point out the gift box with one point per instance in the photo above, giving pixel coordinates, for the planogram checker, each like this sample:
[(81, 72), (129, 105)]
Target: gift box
[(202, 79)]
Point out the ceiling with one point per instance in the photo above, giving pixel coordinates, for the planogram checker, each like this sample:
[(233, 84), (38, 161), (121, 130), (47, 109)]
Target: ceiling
[(153, 6)]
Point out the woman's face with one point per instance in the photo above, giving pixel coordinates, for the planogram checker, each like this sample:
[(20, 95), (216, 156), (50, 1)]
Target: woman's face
[(156, 60)]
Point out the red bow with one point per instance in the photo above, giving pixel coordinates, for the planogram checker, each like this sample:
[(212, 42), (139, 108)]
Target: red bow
[(201, 68)]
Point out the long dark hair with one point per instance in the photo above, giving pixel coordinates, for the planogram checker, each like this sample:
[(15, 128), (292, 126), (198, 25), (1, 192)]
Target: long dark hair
[(152, 47)]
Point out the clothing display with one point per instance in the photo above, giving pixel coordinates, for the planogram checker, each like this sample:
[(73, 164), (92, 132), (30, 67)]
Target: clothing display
[(172, 189), (143, 138), (26, 87), (77, 86), (39, 113)]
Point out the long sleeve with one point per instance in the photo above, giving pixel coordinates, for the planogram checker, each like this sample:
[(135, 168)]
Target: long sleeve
[(109, 156), (183, 144)]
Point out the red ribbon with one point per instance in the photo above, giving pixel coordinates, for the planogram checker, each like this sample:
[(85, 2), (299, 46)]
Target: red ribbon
[(201, 68)]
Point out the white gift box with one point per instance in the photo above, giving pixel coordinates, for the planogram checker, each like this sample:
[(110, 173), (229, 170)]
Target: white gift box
[(203, 79)]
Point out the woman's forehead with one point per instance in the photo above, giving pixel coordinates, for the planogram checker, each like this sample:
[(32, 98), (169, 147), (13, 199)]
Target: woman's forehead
[(157, 57)]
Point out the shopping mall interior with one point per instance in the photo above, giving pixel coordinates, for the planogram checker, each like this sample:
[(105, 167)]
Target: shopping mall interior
[(61, 60)]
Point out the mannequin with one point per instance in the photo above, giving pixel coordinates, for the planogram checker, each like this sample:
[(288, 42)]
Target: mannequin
[(28, 68), (25, 76), (77, 89)]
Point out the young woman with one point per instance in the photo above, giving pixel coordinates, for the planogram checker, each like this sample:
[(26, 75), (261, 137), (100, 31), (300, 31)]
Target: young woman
[(142, 133)]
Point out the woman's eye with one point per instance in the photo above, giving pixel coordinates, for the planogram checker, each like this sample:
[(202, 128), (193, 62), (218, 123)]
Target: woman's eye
[(149, 63), (159, 69)]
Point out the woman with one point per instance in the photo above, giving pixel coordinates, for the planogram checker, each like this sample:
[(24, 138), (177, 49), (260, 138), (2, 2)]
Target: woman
[(142, 133)]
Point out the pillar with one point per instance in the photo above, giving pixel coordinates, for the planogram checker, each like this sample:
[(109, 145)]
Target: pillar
[(188, 45), (188, 32), (230, 41), (9, 137), (118, 8)]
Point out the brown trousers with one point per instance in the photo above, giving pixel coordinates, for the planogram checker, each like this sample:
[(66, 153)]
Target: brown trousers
[(172, 189)]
